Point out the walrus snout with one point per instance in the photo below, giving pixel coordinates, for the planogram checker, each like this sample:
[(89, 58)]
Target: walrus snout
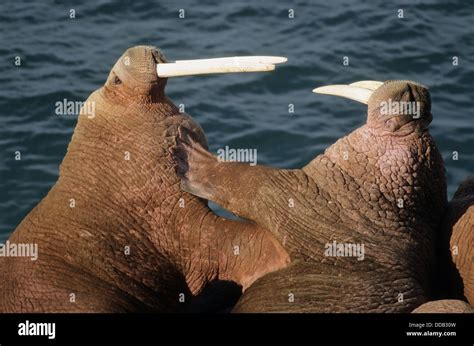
[(399, 103), (134, 74), (393, 106), (139, 63)]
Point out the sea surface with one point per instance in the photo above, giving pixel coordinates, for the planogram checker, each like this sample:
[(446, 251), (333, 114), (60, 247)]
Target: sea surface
[(68, 58)]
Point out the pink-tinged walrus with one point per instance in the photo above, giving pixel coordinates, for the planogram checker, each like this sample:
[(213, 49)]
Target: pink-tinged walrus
[(360, 221), (116, 233)]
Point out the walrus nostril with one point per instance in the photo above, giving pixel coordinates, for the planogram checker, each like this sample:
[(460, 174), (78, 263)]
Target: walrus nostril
[(117, 80)]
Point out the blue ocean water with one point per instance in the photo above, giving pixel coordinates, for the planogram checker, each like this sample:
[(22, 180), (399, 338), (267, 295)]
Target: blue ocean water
[(68, 58)]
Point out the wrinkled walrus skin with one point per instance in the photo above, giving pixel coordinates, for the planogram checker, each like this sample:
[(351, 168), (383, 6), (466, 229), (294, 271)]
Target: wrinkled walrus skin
[(460, 227), (383, 185), (445, 306), (104, 202), (454, 276)]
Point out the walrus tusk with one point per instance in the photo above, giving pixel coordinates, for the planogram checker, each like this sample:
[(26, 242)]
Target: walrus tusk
[(219, 65), (349, 91), (367, 84), (191, 69), (239, 60)]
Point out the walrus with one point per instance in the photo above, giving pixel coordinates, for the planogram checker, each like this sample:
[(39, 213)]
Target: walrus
[(457, 232), (359, 221), (115, 233), (454, 273), (445, 306)]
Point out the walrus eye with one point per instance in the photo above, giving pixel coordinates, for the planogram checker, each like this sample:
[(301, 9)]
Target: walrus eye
[(117, 80)]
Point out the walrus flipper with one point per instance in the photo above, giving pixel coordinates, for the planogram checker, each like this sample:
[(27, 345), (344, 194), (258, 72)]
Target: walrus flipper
[(225, 183), (194, 164), (243, 189)]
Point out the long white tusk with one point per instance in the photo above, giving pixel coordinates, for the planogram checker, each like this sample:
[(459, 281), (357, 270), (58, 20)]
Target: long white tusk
[(348, 91), (239, 60), (190, 69), (368, 84)]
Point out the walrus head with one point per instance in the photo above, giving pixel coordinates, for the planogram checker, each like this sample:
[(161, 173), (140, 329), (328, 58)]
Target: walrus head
[(142, 71), (395, 107), (134, 74)]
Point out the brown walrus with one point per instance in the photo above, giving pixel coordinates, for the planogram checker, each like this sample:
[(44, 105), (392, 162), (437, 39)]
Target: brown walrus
[(115, 233), (378, 193), (454, 279), (462, 239), (445, 306), (457, 233)]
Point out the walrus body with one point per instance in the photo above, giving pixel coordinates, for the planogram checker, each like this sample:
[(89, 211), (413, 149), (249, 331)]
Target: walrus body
[(447, 306), (458, 235), (115, 233), (382, 186)]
